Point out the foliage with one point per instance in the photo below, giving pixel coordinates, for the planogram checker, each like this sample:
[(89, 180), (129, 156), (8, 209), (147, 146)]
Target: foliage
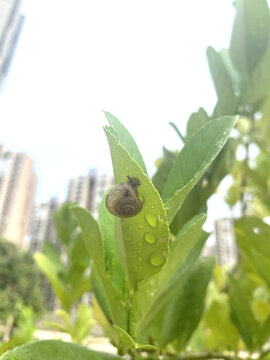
[(68, 271), (151, 300), (155, 297), (52, 349), (24, 331), (17, 267), (78, 328)]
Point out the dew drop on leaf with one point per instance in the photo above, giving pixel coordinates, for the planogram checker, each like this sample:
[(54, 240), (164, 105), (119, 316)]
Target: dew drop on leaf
[(150, 238), (151, 220), (157, 259)]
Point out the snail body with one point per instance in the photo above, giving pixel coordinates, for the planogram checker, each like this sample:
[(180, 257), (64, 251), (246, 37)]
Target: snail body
[(122, 200)]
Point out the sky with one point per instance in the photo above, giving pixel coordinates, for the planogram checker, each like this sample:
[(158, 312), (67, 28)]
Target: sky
[(144, 61)]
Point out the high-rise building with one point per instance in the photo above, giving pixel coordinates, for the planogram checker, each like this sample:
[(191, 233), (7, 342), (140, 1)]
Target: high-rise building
[(17, 189), (11, 22), (41, 226), (42, 229), (88, 190), (225, 249)]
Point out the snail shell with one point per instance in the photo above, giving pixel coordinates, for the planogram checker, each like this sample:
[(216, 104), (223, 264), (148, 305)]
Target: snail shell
[(123, 201)]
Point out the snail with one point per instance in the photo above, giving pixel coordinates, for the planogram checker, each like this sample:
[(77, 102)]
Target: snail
[(122, 200)]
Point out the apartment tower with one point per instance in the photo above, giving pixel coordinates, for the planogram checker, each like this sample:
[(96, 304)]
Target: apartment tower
[(17, 189), (42, 227), (225, 250), (88, 190)]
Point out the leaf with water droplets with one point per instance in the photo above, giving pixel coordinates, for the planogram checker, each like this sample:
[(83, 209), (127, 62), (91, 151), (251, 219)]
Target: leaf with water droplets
[(54, 350), (149, 234), (190, 239)]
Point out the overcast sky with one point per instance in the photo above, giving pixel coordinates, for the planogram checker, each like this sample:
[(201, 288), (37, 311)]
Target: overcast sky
[(142, 60)]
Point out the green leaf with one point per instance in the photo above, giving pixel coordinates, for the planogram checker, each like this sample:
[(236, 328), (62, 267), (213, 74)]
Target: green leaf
[(250, 34), (221, 333), (78, 251), (55, 326), (177, 312), (242, 315), (253, 238), (177, 131), (54, 272), (109, 299), (83, 323), (66, 318), (234, 74), (265, 331), (124, 341), (54, 349), (113, 268), (257, 86), (252, 232), (223, 84), (65, 224), (126, 140), (196, 200), (190, 240), (193, 160), (196, 121), (142, 240), (82, 286), (51, 252)]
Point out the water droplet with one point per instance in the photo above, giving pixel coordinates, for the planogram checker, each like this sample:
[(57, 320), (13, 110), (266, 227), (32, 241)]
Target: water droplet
[(141, 226), (140, 258), (139, 251), (128, 238), (140, 267), (150, 238), (140, 243), (151, 219), (157, 259)]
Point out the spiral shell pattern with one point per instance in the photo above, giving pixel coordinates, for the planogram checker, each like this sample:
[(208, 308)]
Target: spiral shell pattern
[(123, 201)]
